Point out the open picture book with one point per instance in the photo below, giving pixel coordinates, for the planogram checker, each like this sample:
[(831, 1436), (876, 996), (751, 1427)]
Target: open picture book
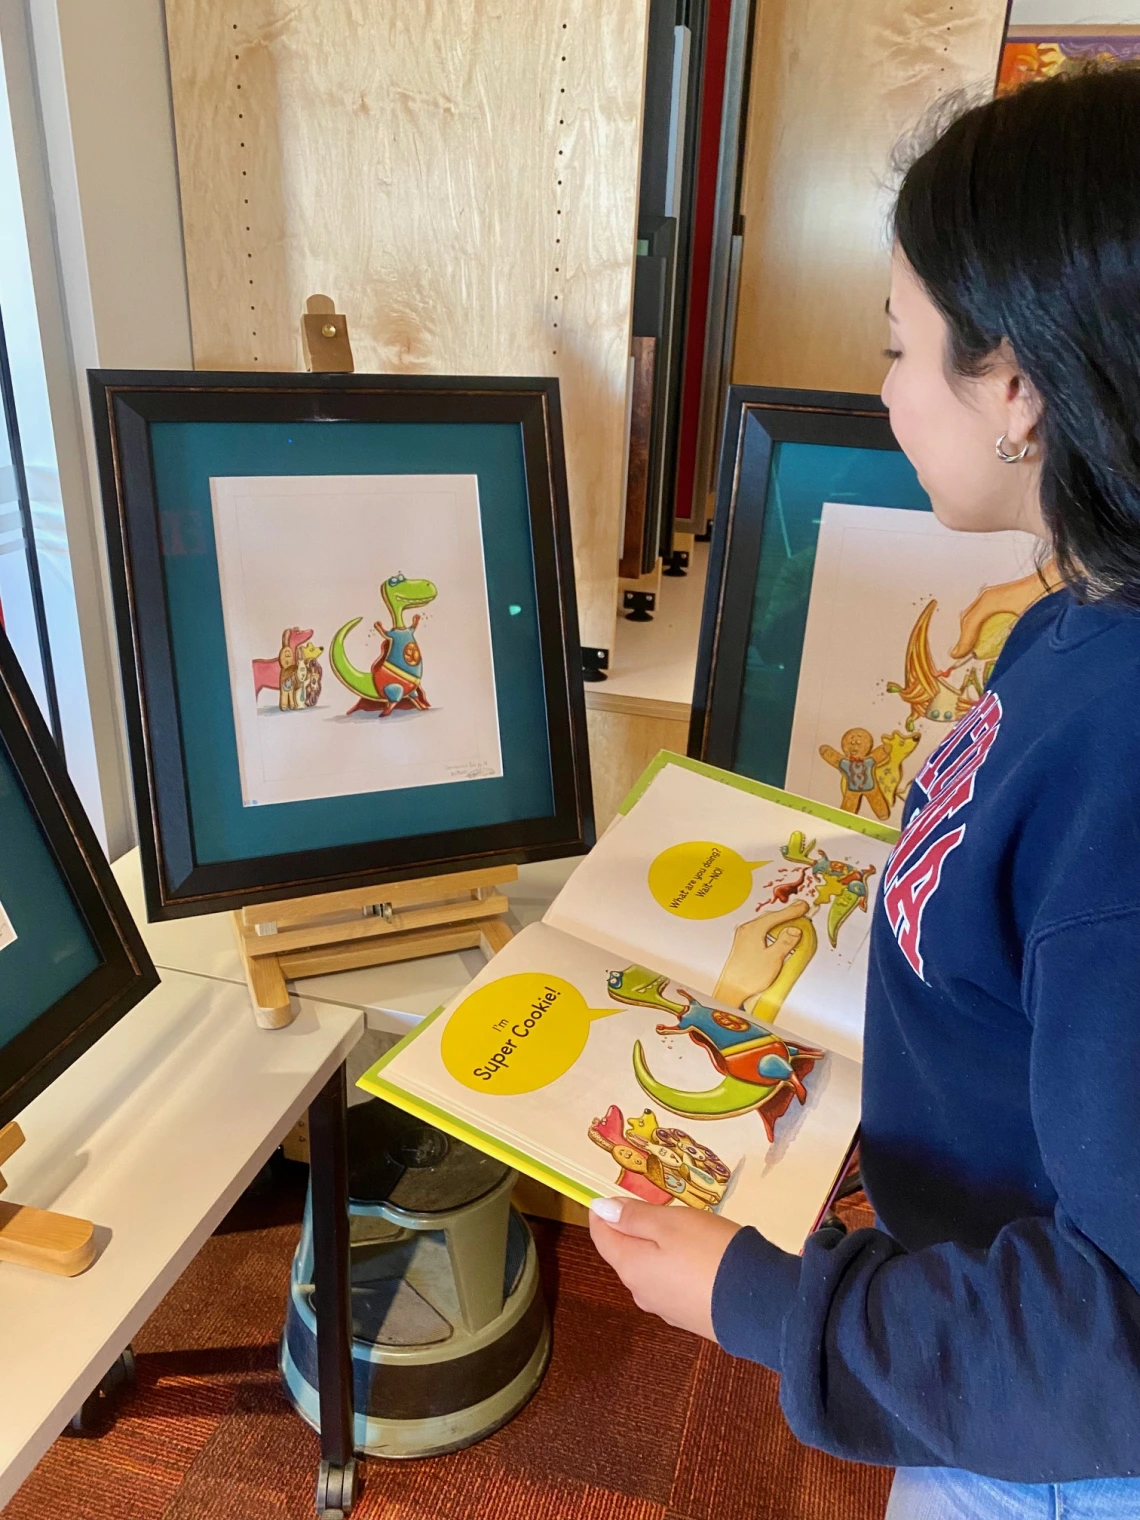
[(685, 1023)]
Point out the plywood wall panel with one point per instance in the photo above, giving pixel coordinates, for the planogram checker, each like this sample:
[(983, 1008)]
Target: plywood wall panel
[(834, 87), (460, 175)]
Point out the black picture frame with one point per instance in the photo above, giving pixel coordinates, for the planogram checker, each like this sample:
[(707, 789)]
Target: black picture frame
[(757, 420), (33, 1057), (125, 405)]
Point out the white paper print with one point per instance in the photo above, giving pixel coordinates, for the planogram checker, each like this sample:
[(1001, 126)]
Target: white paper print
[(905, 621), (357, 633), (7, 929)]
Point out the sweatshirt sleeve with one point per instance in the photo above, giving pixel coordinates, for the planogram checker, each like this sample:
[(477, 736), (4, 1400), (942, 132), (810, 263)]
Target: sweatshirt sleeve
[(1020, 1361)]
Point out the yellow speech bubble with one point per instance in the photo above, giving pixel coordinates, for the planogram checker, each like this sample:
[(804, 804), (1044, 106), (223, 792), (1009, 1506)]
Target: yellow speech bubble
[(701, 879), (518, 1034)]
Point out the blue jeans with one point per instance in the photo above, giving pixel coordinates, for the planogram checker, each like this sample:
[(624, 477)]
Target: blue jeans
[(947, 1493)]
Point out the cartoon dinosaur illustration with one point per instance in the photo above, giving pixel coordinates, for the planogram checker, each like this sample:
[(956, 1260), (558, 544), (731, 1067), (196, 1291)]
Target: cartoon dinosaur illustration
[(845, 887), (267, 673), (927, 691), (643, 988), (842, 885), (758, 1069), (396, 677)]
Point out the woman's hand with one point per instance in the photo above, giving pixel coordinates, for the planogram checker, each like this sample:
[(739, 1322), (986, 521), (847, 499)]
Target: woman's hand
[(667, 1257)]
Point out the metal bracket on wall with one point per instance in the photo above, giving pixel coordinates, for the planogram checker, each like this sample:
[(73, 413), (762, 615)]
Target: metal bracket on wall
[(324, 338), (595, 663), (639, 606)]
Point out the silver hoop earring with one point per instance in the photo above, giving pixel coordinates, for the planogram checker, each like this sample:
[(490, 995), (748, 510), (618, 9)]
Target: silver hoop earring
[(1011, 458)]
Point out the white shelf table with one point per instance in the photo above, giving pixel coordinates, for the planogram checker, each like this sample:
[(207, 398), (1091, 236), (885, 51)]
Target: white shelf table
[(153, 1134), (156, 1131)]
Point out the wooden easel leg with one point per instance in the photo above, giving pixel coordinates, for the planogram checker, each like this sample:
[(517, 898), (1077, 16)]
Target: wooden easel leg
[(272, 1005), (497, 932), (36, 1238)]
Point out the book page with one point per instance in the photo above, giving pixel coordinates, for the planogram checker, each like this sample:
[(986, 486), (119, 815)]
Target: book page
[(899, 643), (761, 905), (623, 1081)]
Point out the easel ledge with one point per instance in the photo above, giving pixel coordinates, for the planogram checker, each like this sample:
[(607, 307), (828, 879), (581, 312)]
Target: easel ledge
[(366, 926), (36, 1238)]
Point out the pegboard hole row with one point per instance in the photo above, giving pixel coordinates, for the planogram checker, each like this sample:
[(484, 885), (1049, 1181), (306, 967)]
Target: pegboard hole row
[(245, 202)]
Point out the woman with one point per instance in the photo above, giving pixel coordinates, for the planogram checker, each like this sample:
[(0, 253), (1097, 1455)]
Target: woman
[(985, 1338)]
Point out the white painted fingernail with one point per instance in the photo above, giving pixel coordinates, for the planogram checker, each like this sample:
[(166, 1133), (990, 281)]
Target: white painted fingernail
[(608, 1209)]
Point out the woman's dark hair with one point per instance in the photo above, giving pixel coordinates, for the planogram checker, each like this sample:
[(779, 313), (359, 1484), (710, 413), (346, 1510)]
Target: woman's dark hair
[(1022, 221)]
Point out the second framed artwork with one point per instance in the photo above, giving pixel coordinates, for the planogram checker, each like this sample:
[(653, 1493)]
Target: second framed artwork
[(347, 628), (844, 627)]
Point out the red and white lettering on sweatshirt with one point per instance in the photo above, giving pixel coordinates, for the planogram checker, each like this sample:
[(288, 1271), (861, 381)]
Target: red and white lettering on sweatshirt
[(914, 870)]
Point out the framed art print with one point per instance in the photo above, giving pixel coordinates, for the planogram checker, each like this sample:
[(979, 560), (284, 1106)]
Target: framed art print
[(844, 627), (347, 628), (1040, 52), (71, 959)]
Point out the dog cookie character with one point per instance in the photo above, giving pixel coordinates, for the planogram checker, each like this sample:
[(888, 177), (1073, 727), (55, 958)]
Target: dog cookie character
[(288, 681), (307, 673), (267, 673), (659, 1165)]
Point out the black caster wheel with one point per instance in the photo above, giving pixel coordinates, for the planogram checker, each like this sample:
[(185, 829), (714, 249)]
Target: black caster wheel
[(86, 1417), (91, 1415), (336, 1490)]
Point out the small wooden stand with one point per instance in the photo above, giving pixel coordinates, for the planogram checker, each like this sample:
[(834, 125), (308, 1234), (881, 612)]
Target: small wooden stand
[(367, 926), (33, 1237)]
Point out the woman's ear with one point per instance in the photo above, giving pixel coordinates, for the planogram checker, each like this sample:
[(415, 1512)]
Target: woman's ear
[(1018, 404), (1024, 406)]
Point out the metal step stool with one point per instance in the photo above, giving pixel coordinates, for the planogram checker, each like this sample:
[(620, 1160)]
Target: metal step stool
[(450, 1335)]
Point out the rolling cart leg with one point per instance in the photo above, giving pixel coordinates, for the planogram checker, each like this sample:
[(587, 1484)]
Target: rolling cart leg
[(332, 1299)]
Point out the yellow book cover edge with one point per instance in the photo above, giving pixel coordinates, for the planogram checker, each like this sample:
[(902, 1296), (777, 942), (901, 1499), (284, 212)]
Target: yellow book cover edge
[(379, 1086)]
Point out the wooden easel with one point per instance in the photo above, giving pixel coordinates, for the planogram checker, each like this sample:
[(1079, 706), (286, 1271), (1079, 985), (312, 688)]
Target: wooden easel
[(33, 1237), (366, 926)]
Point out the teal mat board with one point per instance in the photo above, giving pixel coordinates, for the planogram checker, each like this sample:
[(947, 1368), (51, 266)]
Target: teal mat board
[(802, 477), (186, 455), (53, 951)]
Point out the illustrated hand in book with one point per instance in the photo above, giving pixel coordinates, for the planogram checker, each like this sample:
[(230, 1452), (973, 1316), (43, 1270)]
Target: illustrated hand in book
[(771, 948), (667, 1258)]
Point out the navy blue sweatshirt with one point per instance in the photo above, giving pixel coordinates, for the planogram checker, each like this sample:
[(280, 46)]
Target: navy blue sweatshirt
[(993, 1321)]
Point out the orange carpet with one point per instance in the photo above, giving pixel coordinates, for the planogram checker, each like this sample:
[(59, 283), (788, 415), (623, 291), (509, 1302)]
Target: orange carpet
[(634, 1421)]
